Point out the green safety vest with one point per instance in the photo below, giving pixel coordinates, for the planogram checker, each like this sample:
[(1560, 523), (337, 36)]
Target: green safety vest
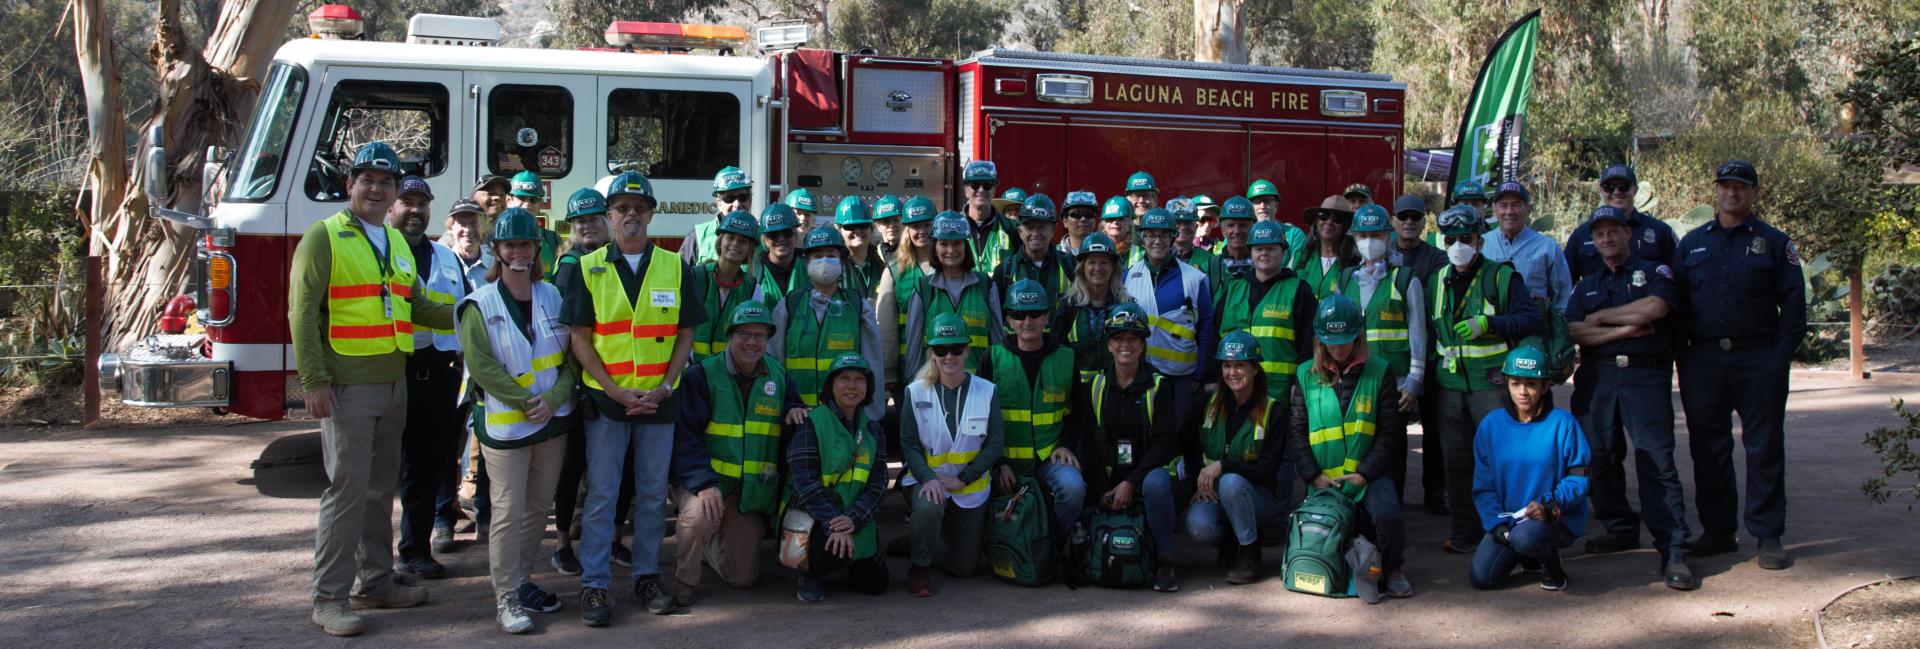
[(1086, 336), (1015, 268), (1099, 388), (1386, 316), (1271, 323), (972, 308), (905, 284), (811, 345), (1032, 413), (846, 462), (864, 279), (1466, 365), (1245, 443), (710, 337), (773, 289), (1322, 282), (743, 434), (999, 244), (1340, 441)]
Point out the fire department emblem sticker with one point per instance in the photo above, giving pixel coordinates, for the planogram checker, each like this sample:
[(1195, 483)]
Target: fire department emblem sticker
[(900, 101), (526, 137), (767, 388)]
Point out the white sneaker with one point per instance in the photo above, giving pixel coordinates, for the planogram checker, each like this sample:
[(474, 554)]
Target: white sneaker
[(512, 618)]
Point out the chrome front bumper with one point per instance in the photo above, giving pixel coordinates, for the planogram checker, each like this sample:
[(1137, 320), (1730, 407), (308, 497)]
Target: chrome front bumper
[(167, 371)]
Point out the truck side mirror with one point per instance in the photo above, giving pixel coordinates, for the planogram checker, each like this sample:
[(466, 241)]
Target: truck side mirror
[(156, 184)]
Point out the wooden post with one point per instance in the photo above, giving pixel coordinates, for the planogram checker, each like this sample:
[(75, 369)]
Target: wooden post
[(92, 321), (1856, 327)]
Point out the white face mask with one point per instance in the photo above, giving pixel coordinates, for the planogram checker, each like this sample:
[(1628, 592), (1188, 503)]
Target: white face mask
[(825, 270), (1461, 253), (1371, 249)]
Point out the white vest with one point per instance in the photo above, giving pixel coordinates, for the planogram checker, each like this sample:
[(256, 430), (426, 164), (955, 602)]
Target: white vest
[(1172, 344), (533, 365), (446, 288), (946, 452)]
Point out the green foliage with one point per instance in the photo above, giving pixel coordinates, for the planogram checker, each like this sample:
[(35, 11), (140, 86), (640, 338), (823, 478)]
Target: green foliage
[(1893, 301), (1316, 34), (583, 23), (949, 28), (1899, 472), (1826, 302), (1161, 30)]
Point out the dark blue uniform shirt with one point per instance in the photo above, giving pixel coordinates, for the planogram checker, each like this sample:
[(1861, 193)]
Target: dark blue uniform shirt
[(1635, 280), (1743, 284), (1653, 240)]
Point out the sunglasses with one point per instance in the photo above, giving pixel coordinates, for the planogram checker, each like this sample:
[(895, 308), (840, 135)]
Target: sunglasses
[(1409, 216), (949, 350), (778, 235), (857, 227), (1614, 188), (1025, 315), (1324, 216), (980, 187), (740, 197), (1081, 215), (1453, 239)]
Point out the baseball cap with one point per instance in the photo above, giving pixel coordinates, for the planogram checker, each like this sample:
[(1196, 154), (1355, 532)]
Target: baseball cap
[(1739, 171)]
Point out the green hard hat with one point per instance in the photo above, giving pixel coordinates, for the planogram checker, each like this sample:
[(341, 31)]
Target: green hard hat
[(628, 183), (377, 156), (888, 207), (1238, 208), (824, 236), (847, 361), (981, 171), (1081, 198), (1267, 233), (947, 329), (919, 209), (741, 222), (950, 226), (1097, 244), (1204, 202), (750, 312), (1238, 345), (1156, 219), (1337, 321), (526, 184), (1116, 207), (729, 179), (1127, 317), (1038, 207), (852, 211), (1182, 208), (1358, 188), (1525, 362), (586, 202), (778, 217), (1013, 197), (1461, 220), (516, 224), (1026, 295), (1469, 190), (1370, 218), (1141, 181), (1262, 187), (801, 199)]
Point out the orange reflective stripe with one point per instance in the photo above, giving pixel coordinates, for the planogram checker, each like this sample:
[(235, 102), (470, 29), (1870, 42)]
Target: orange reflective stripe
[(650, 369), (353, 291), (402, 290), (656, 330), (621, 368), (611, 328), (362, 331)]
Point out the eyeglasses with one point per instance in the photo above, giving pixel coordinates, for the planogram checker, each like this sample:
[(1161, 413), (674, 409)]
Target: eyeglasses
[(750, 336), (949, 350), (1617, 188), (1025, 315), (1453, 239)]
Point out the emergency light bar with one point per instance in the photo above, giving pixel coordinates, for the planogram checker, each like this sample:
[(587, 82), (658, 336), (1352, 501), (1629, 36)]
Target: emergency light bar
[(674, 36), (335, 21), (783, 35), (435, 29)]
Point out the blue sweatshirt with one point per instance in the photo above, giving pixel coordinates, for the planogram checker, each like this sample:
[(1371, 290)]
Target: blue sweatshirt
[(1515, 463)]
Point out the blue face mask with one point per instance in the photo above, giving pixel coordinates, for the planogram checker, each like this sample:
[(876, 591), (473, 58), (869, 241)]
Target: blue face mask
[(825, 270)]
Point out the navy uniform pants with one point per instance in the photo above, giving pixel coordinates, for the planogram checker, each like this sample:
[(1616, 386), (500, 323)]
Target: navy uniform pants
[(1714, 385), (1618, 404)]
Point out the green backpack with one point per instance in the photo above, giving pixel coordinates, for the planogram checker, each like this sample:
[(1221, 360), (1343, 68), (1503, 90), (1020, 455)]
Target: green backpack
[(1557, 343), (1116, 551), (1020, 539), (1316, 560)]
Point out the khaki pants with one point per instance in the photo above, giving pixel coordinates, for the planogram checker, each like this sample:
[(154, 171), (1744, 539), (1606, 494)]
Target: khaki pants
[(730, 543), (360, 445), (521, 486)]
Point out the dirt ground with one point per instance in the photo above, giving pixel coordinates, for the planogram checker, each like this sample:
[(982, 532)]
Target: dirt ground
[(1884, 615), (169, 537)]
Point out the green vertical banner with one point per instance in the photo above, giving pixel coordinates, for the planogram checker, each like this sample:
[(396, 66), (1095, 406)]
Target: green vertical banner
[(1488, 146)]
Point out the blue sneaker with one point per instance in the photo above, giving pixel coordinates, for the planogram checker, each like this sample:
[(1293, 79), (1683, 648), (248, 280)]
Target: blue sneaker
[(534, 599)]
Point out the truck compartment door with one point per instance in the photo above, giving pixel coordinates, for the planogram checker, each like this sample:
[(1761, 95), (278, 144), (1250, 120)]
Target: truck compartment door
[(1031, 152), (1294, 157), (1364, 155), (1185, 158)]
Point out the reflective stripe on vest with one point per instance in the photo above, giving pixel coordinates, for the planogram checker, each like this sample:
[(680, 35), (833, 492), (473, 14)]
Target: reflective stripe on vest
[(367, 310), (743, 433), (1171, 342), (1466, 364), (1341, 437), (634, 339), (1271, 323), (972, 309), (810, 344), (1099, 391), (846, 463), (710, 337), (1386, 311), (533, 365), (1032, 413), (1245, 443), (947, 451), (445, 286)]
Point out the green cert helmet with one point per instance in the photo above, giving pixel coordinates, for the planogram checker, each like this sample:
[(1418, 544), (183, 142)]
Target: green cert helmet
[(1116, 208), (1013, 197), (1238, 208), (1469, 190), (1182, 208), (1338, 321), (847, 362), (801, 199), (950, 226), (981, 171), (1038, 207), (852, 211), (1097, 244), (377, 156), (1461, 220), (778, 217), (1126, 318), (741, 222), (1238, 345), (947, 329), (729, 179), (919, 209), (1203, 202), (516, 224), (628, 183), (1081, 198), (1026, 295), (586, 202), (888, 207), (1141, 181), (526, 184), (750, 312), (1262, 187), (1156, 219), (1267, 233), (1526, 362), (1370, 218), (824, 236)]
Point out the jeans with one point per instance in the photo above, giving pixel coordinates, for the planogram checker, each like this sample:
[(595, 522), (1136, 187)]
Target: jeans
[(1069, 491), (1243, 504), (1158, 491), (1634, 404), (1528, 539), (609, 443), (1382, 504)]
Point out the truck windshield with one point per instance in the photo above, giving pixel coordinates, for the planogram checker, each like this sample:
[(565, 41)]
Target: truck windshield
[(256, 173)]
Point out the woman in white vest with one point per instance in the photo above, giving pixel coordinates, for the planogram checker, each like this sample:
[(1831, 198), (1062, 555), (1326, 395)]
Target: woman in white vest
[(951, 437), (516, 354)]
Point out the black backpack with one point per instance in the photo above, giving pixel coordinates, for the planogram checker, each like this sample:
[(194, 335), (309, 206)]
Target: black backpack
[(1115, 550)]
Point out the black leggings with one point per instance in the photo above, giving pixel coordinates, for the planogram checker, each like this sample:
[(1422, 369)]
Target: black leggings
[(566, 497), (867, 575)]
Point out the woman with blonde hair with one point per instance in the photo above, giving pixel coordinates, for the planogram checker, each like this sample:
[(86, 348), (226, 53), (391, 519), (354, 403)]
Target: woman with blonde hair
[(951, 436)]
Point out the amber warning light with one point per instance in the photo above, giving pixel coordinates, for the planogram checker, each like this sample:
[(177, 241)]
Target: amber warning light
[(631, 34), (335, 21)]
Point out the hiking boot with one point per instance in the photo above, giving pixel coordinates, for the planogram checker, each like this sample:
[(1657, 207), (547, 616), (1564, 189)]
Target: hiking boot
[(682, 594), (424, 568), (1398, 585), (1773, 555), (1556, 576), (595, 610), (533, 598), (1612, 544), (334, 617), (811, 590), (1247, 566), (622, 556), (1457, 547), (1707, 545), (1164, 579), (1679, 576), (481, 532), (392, 595), (919, 581), (566, 562), (1228, 555), (654, 596), (511, 617), (443, 542)]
